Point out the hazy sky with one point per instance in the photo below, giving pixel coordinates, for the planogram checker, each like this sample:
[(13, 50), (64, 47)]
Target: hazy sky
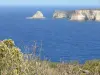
[(51, 2)]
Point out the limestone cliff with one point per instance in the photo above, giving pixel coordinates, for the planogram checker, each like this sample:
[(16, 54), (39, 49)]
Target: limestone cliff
[(97, 15), (78, 15), (62, 14)]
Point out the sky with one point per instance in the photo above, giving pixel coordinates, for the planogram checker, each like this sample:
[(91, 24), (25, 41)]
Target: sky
[(50, 2)]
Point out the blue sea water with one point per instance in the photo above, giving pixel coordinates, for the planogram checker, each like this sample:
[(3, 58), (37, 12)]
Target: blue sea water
[(61, 39)]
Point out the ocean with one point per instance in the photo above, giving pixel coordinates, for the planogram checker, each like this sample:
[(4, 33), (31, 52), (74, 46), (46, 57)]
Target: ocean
[(62, 40)]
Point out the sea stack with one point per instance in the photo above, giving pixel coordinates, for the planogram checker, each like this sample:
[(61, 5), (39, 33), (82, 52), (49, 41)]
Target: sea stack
[(37, 15)]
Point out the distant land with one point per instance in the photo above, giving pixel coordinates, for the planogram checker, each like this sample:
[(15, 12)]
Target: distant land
[(73, 15), (78, 15)]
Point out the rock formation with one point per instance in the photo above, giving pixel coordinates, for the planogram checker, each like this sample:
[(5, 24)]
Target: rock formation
[(97, 15), (60, 14), (78, 15), (37, 15)]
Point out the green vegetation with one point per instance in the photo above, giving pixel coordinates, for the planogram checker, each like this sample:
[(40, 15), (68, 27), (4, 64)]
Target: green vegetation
[(13, 62), (11, 58)]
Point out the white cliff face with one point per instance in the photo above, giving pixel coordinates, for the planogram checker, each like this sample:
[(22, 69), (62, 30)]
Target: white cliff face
[(89, 15), (59, 14), (82, 15), (79, 15), (37, 15), (97, 16)]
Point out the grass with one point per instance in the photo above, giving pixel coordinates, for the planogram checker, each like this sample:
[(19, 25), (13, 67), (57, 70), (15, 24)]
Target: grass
[(13, 62)]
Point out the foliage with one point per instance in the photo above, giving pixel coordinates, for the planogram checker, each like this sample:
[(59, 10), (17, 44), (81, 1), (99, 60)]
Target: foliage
[(10, 58), (13, 62), (93, 66)]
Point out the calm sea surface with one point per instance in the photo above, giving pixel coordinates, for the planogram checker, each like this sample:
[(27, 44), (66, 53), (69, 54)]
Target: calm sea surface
[(61, 39)]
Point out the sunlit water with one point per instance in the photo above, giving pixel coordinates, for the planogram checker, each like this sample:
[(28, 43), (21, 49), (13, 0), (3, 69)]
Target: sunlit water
[(61, 39)]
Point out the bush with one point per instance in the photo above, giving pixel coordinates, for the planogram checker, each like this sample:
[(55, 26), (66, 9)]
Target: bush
[(10, 58), (93, 66), (13, 62)]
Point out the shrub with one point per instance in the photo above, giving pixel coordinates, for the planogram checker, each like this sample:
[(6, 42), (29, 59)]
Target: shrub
[(13, 62), (10, 58), (93, 66)]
